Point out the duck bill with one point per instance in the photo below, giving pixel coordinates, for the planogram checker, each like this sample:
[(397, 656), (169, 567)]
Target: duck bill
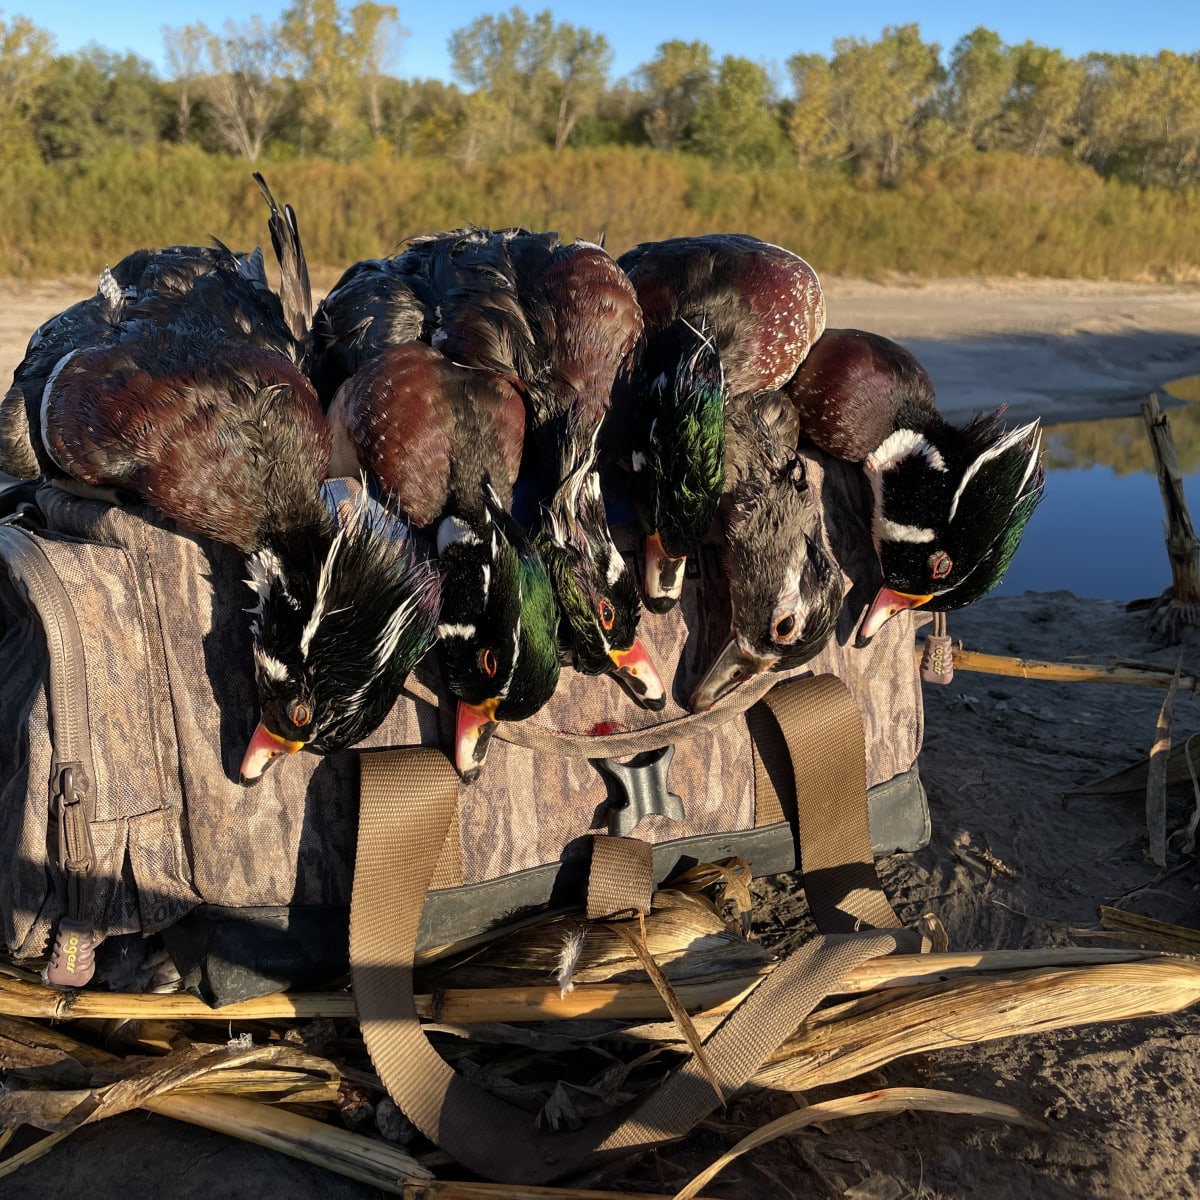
[(662, 575), (473, 733), (635, 671), (732, 666), (265, 747), (883, 608)]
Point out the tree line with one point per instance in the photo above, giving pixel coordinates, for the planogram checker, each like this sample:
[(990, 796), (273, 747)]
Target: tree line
[(320, 82)]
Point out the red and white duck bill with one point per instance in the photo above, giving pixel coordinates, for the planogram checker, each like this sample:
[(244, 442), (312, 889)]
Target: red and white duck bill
[(635, 671), (264, 748), (474, 727), (886, 605)]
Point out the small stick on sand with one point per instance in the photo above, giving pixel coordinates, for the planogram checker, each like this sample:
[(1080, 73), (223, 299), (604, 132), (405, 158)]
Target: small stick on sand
[(1179, 605)]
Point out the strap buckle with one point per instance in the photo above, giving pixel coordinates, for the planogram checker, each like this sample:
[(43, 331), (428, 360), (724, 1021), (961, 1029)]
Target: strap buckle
[(643, 782)]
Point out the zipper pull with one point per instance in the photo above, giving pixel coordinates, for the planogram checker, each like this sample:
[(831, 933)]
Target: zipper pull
[(73, 956)]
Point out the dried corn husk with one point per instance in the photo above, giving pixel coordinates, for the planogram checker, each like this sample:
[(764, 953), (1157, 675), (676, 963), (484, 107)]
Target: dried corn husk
[(848, 1039), (1133, 927)]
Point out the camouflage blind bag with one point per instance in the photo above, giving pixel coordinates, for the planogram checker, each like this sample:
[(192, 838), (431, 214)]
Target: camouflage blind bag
[(128, 703)]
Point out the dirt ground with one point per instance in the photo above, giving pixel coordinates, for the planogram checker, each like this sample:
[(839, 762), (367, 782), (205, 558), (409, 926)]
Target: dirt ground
[(1009, 864)]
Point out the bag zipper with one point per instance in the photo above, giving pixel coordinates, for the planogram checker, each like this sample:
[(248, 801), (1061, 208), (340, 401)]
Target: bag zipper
[(72, 797)]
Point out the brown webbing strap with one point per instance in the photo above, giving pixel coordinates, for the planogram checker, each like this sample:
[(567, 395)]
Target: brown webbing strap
[(408, 798), (621, 879), (823, 733)]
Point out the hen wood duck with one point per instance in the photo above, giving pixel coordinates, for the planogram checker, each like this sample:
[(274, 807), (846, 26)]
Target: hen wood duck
[(177, 385), (560, 321), (728, 319), (950, 502), (443, 442)]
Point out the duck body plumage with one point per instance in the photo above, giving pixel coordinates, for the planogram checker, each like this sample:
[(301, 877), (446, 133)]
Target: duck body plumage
[(762, 304), (950, 502), (678, 447), (443, 442), (560, 321), (179, 386)]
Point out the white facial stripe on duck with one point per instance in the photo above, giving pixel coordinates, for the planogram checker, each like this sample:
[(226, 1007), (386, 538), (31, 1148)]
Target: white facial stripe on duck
[(359, 512), (270, 666), (887, 530), (1006, 443), (266, 573), (393, 631), (456, 630), (616, 564), (902, 444), (323, 582)]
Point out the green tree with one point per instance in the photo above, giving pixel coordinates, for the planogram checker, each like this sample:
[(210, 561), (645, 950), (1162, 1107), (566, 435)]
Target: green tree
[(25, 57), (1141, 117), (738, 123), (882, 92), (69, 101), (417, 115), (502, 58), (1042, 116), (540, 77), (311, 39), (375, 34), (579, 66), (137, 109), (86, 102), (982, 73), (676, 81), (811, 123), (337, 57)]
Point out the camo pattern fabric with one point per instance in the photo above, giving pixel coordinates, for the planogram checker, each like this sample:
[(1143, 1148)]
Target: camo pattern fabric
[(171, 708)]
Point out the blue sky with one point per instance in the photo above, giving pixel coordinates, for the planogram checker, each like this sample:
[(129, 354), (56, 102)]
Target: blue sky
[(764, 30)]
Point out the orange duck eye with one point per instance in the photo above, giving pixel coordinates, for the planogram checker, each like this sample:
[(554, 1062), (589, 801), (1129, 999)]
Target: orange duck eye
[(607, 614), (785, 626), (941, 564), (300, 714), (487, 662)]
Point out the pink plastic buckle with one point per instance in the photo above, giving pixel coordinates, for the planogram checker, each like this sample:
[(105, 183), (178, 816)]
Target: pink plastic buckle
[(937, 659)]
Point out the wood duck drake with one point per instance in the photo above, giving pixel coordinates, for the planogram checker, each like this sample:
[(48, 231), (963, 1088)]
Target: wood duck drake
[(676, 455), (762, 307), (177, 385), (728, 319), (950, 502), (443, 443), (560, 321)]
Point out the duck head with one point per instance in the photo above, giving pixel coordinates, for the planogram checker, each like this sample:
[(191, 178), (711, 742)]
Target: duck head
[(342, 616), (679, 463), (498, 627), (595, 588), (785, 590), (950, 508)]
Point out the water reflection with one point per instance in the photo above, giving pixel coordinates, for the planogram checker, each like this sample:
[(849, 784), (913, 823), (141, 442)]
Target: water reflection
[(1099, 529)]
